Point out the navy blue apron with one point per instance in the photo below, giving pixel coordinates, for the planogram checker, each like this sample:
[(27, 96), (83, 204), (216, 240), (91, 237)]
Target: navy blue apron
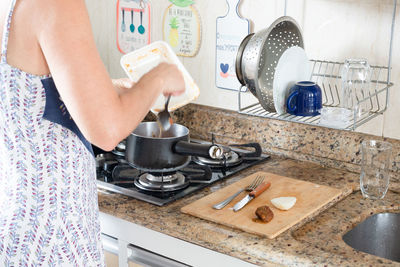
[(56, 111)]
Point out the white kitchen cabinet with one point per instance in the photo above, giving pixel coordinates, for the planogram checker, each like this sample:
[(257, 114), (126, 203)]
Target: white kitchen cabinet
[(136, 246)]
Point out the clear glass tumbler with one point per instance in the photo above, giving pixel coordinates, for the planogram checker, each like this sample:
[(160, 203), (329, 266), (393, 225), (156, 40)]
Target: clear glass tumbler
[(356, 78), (336, 117), (374, 178)]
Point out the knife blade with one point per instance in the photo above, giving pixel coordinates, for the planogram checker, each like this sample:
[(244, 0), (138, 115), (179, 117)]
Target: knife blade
[(253, 194)]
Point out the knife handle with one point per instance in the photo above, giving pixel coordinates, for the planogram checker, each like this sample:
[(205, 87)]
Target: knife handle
[(259, 189)]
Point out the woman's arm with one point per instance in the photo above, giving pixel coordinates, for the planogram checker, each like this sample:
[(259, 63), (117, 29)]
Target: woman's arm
[(122, 84), (104, 116)]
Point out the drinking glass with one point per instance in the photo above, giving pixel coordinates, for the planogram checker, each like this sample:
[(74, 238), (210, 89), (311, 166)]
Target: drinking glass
[(356, 77), (374, 178), (336, 117)]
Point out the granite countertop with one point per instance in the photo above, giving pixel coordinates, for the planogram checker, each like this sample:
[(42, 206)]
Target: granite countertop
[(313, 242)]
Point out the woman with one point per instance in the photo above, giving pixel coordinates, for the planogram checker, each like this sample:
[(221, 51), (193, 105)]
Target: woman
[(55, 99)]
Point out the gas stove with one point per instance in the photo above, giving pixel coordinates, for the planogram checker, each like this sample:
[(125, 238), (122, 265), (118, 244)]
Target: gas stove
[(114, 173)]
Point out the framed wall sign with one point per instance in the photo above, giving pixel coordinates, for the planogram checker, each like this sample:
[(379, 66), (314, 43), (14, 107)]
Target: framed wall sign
[(133, 24), (182, 28)]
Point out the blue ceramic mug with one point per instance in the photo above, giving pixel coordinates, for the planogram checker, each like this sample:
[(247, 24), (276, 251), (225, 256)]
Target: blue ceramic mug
[(305, 99)]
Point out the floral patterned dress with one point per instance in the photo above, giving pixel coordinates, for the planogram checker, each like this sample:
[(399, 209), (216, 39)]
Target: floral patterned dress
[(48, 196)]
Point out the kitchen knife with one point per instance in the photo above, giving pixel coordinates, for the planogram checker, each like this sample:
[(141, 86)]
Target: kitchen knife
[(253, 194)]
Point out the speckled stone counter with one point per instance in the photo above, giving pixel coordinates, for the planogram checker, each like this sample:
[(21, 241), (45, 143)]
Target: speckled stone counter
[(314, 243)]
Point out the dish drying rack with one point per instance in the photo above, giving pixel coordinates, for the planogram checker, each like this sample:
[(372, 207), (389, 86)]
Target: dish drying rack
[(327, 75)]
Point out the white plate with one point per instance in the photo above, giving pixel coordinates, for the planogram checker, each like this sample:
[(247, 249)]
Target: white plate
[(141, 61), (293, 66)]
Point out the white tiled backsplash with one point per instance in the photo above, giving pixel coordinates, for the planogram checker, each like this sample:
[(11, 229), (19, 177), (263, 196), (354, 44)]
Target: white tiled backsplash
[(332, 29)]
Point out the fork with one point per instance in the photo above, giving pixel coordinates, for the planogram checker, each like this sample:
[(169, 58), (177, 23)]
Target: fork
[(256, 182)]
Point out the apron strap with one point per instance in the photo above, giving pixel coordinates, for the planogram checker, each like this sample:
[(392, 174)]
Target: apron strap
[(6, 30)]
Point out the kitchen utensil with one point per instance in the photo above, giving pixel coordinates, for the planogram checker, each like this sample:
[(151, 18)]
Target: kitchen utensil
[(256, 182), (140, 61), (253, 194), (312, 199), (375, 162), (239, 60), (231, 29), (132, 27), (164, 118), (147, 151), (123, 27), (141, 29), (305, 99), (293, 66), (261, 55)]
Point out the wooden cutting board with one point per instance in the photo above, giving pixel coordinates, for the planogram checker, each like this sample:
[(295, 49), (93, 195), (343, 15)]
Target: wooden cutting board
[(311, 199)]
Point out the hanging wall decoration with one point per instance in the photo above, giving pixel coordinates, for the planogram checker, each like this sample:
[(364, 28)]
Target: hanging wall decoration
[(182, 27), (231, 30), (133, 24)]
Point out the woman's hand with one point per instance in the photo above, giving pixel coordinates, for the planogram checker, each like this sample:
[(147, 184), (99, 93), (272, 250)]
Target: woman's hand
[(171, 77), (172, 81)]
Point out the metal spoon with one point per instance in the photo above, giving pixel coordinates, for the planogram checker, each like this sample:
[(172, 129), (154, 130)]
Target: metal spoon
[(164, 118)]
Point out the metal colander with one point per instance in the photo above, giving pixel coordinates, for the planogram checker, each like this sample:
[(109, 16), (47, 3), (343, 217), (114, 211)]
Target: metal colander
[(259, 54)]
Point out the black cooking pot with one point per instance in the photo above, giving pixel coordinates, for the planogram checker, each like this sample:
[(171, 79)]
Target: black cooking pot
[(146, 150)]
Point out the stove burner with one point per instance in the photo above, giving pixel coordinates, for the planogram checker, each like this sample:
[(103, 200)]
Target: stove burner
[(163, 183), (231, 158), (169, 178)]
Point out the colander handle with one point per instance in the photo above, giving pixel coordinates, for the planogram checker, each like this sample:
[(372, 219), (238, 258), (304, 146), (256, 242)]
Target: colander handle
[(290, 107)]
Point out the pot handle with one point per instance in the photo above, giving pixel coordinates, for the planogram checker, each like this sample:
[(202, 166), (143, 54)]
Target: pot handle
[(200, 150)]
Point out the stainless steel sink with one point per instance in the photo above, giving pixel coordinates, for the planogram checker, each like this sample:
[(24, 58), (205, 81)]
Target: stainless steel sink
[(378, 235)]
